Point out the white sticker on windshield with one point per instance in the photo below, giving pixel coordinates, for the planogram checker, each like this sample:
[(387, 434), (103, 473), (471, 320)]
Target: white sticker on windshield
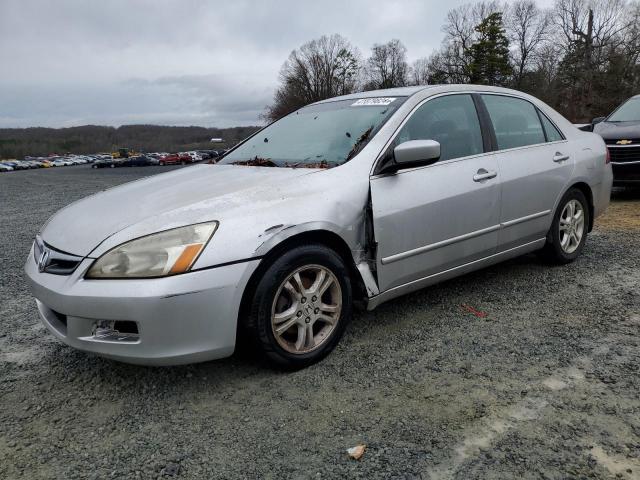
[(377, 101)]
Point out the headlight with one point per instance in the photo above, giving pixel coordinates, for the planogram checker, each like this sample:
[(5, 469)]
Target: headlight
[(157, 255)]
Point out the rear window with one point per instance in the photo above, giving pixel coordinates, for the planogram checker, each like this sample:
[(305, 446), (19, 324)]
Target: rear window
[(515, 121)]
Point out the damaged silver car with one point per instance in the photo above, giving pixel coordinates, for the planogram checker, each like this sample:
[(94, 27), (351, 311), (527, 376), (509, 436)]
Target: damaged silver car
[(350, 201)]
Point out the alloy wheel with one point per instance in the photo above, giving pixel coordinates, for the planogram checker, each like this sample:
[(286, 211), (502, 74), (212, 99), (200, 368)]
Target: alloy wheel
[(306, 309), (571, 226)]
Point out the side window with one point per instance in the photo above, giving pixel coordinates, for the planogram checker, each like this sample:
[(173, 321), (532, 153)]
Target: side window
[(514, 120), (553, 135), (452, 121)]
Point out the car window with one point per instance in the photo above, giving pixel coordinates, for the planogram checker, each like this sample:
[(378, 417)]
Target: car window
[(553, 134), (515, 121), (451, 120)]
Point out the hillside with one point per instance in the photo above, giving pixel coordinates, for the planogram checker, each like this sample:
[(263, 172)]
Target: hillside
[(18, 142)]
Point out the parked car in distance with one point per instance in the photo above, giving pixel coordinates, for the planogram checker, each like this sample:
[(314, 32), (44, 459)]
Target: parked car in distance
[(5, 168), (621, 132), (104, 163), (195, 156), (353, 200), (205, 154), (17, 165), (140, 161), (175, 159), (216, 155)]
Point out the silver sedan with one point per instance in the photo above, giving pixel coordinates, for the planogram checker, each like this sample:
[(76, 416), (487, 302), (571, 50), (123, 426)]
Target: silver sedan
[(350, 201)]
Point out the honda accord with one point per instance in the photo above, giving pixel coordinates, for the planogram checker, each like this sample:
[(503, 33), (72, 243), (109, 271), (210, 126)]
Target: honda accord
[(350, 201)]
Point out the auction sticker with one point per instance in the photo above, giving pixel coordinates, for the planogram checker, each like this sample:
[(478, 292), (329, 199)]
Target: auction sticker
[(376, 101)]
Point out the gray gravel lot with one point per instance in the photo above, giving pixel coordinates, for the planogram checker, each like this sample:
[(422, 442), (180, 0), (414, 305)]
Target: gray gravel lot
[(547, 385)]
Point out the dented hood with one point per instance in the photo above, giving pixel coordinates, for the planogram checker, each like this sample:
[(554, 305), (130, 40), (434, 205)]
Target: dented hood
[(82, 226)]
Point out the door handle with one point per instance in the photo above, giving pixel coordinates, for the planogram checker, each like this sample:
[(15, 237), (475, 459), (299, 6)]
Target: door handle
[(484, 175), (559, 157)]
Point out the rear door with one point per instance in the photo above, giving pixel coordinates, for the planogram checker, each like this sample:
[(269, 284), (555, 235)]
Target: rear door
[(535, 165), (432, 218)]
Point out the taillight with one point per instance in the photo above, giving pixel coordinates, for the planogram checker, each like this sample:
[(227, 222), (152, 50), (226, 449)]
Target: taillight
[(607, 159)]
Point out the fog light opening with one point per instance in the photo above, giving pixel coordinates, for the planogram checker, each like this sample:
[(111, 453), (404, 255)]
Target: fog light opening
[(116, 331)]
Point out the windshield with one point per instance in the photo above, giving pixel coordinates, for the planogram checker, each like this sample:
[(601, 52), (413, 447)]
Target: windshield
[(627, 112), (317, 136)]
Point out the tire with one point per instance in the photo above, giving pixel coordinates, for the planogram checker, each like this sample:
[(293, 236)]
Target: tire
[(271, 295), (558, 249)]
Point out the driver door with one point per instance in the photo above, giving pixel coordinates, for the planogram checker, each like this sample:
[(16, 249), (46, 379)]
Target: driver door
[(433, 218)]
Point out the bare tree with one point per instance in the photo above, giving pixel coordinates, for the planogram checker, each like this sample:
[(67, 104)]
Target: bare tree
[(527, 28), (387, 67), (596, 24), (420, 72), (319, 69), (592, 32)]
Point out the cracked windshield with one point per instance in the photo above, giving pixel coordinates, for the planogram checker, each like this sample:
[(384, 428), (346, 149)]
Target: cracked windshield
[(317, 136)]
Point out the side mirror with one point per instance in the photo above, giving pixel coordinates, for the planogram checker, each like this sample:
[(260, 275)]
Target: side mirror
[(416, 152), (597, 120)]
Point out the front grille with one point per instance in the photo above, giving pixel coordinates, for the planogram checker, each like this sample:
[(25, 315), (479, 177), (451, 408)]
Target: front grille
[(621, 154), (54, 261), (613, 141)]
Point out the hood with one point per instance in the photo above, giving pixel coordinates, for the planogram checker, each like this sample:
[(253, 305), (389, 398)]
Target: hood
[(618, 130), (80, 227)]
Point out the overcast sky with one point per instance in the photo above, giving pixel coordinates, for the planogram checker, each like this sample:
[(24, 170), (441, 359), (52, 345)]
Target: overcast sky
[(115, 62)]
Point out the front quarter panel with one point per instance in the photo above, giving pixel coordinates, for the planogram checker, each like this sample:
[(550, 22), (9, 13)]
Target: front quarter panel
[(332, 200)]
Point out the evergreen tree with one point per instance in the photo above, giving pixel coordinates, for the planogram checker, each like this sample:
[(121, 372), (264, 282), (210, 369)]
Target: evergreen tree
[(489, 55)]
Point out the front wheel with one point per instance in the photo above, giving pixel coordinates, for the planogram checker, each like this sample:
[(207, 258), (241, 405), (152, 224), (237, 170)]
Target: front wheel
[(300, 307), (568, 233)]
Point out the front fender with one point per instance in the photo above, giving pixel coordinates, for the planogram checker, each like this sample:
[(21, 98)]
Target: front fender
[(277, 234)]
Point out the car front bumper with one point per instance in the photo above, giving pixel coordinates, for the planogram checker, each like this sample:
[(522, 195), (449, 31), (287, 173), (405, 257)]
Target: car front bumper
[(181, 319)]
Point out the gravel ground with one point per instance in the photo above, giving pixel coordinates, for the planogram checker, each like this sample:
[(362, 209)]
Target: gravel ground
[(546, 385)]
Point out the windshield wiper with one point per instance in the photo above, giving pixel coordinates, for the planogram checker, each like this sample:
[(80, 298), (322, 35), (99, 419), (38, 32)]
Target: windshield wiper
[(256, 162), (356, 146), (321, 164)]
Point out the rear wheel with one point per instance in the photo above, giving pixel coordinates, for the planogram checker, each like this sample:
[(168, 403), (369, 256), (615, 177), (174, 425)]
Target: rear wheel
[(568, 232), (300, 307)]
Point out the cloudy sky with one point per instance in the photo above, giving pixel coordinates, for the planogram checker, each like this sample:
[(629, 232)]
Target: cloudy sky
[(182, 62)]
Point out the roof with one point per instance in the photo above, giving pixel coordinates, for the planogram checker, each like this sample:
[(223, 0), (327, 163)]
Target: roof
[(386, 92)]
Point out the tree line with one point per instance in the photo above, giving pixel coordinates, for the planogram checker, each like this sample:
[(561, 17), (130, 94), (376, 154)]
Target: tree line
[(18, 142), (579, 56)]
